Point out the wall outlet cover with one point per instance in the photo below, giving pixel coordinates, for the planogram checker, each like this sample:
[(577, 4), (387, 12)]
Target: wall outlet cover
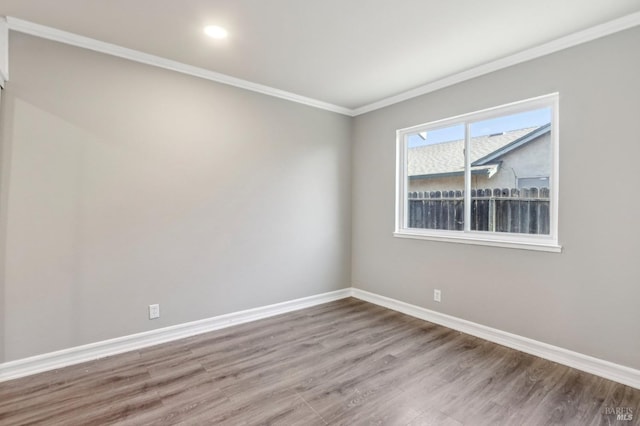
[(154, 311)]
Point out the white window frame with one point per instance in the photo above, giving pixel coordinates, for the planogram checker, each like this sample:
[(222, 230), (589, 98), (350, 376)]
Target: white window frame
[(467, 236)]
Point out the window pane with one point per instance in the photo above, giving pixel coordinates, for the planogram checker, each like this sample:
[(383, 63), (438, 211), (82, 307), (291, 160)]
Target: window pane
[(435, 178), (510, 170)]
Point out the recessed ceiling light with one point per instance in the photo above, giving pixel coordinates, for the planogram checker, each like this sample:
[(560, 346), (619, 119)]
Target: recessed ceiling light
[(215, 31)]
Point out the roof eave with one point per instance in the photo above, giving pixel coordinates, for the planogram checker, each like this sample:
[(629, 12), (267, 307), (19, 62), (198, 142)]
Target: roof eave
[(513, 145)]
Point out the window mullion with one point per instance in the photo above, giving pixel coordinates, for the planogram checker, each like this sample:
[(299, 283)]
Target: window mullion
[(467, 177)]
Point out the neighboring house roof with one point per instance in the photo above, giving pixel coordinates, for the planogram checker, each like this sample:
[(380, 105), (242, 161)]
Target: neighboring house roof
[(447, 158)]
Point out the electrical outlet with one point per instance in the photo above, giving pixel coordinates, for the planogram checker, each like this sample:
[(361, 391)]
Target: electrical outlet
[(154, 311), (437, 295)]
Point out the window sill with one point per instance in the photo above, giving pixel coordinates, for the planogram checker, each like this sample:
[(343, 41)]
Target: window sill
[(476, 239)]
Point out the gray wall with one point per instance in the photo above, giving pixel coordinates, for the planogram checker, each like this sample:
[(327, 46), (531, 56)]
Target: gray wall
[(585, 299), (127, 185), (124, 185)]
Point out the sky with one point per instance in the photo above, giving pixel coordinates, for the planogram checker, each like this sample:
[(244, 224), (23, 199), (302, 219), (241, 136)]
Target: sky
[(505, 123)]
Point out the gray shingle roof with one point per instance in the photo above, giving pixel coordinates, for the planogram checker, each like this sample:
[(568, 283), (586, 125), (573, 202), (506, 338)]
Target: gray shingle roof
[(448, 157)]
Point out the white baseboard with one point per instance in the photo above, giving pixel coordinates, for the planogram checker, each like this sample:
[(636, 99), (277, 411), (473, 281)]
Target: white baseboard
[(63, 358), (599, 367), (66, 357)]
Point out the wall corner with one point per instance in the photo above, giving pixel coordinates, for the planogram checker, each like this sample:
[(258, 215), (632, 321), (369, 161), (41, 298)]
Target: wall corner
[(4, 51)]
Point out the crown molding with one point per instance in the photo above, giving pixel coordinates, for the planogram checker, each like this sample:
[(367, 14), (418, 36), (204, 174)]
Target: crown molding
[(580, 37), (72, 39)]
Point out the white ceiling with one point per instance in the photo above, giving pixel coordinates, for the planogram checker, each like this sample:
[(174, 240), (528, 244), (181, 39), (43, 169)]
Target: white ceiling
[(349, 53)]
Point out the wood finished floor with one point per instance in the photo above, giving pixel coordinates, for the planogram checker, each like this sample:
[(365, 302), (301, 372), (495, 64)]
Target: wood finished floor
[(342, 363)]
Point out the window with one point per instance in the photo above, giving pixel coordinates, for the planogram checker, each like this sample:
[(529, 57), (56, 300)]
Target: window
[(488, 177)]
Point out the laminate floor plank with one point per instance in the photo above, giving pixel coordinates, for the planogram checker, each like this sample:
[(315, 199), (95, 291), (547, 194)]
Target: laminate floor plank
[(183, 405), (433, 418), (342, 363), (77, 396), (619, 396)]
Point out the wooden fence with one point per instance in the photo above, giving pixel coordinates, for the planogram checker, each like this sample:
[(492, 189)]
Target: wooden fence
[(515, 210)]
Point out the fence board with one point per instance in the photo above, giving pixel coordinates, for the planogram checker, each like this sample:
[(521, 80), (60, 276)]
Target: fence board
[(513, 210)]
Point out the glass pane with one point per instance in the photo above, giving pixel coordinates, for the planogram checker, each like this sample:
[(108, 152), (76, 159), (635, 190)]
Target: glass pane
[(435, 181), (510, 171)]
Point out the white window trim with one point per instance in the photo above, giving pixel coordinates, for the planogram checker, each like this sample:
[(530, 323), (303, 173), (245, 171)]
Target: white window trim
[(498, 239)]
